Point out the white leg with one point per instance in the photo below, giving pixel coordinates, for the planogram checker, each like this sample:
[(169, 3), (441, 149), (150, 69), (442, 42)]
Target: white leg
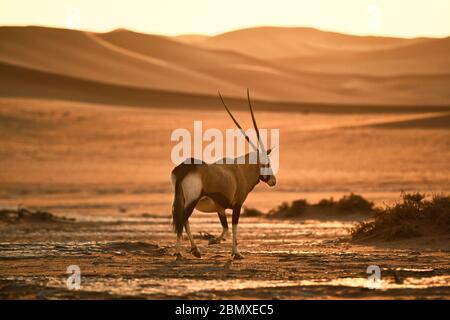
[(194, 248), (235, 252)]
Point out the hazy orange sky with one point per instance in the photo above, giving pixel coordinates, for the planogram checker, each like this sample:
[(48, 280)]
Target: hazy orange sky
[(405, 18)]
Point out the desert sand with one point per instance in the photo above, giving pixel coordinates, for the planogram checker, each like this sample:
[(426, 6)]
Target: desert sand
[(86, 118), (108, 168)]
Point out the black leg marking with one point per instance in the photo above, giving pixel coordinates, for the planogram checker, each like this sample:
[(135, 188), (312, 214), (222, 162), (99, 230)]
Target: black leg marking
[(236, 213), (223, 219)]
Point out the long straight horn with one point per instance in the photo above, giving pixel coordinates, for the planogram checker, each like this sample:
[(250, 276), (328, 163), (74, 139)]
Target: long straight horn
[(237, 124), (254, 123)]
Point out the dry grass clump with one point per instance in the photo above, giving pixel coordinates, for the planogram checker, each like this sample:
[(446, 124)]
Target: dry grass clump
[(414, 216), (25, 215)]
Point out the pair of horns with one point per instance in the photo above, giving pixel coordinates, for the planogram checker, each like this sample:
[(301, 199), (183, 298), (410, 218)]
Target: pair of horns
[(254, 123)]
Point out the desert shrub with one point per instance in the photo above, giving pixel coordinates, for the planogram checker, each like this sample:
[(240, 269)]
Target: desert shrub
[(285, 210), (351, 203), (407, 218), (413, 198), (283, 207), (299, 205), (354, 203), (439, 209), (403, 231), (347, 204), (326, 203), (362, 228), (252, 212)]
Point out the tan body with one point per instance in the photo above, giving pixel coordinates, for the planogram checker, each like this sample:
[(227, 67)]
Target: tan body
[(233, 181)]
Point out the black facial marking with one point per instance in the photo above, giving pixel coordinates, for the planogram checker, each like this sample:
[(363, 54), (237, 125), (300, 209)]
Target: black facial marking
[(265, 177)]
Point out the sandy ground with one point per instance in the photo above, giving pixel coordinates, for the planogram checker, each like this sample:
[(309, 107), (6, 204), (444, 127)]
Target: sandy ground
[(55, 147), (131, 256), (108, 167)]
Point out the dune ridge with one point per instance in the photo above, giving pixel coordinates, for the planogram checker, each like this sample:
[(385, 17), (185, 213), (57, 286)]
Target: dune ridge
[(149, 63), (282, 42), (429, 57)]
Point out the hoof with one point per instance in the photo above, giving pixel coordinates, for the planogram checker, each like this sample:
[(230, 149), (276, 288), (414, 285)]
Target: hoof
[(195, 252), (178, 256), (215, 241), (237, 256)]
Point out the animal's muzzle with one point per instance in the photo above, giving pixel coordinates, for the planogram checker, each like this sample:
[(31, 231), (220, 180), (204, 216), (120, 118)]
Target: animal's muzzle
[(272, 181)]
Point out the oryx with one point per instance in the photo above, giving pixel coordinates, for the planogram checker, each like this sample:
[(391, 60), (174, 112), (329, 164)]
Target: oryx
[(218, 186)]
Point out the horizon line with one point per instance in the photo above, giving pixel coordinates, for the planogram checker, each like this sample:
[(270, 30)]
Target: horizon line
[(226, 32)]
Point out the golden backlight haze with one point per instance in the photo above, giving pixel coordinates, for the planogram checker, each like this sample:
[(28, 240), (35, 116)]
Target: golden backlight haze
[(87, 111), (401, 18)]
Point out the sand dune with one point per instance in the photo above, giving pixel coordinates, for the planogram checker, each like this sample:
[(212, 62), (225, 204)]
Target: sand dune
[(191, 38), (130, 59), (125, 67), (276, 43), (27, 83), (437, 121), (84, 55), (309, 49), (426, 57)]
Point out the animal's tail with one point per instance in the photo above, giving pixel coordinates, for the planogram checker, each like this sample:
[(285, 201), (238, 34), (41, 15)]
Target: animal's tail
[(178, 219)]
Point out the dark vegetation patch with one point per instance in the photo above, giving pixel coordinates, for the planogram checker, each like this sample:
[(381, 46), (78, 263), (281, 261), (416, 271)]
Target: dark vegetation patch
[(414, 216), (25, 215), (252, 212), (351, 204), (137, 247)]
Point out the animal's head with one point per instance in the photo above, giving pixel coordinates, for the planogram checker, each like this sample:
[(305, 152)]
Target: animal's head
[(266, 173)]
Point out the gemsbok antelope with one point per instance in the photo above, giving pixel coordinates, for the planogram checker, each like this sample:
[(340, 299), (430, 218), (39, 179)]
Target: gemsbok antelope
[(218, 186)]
